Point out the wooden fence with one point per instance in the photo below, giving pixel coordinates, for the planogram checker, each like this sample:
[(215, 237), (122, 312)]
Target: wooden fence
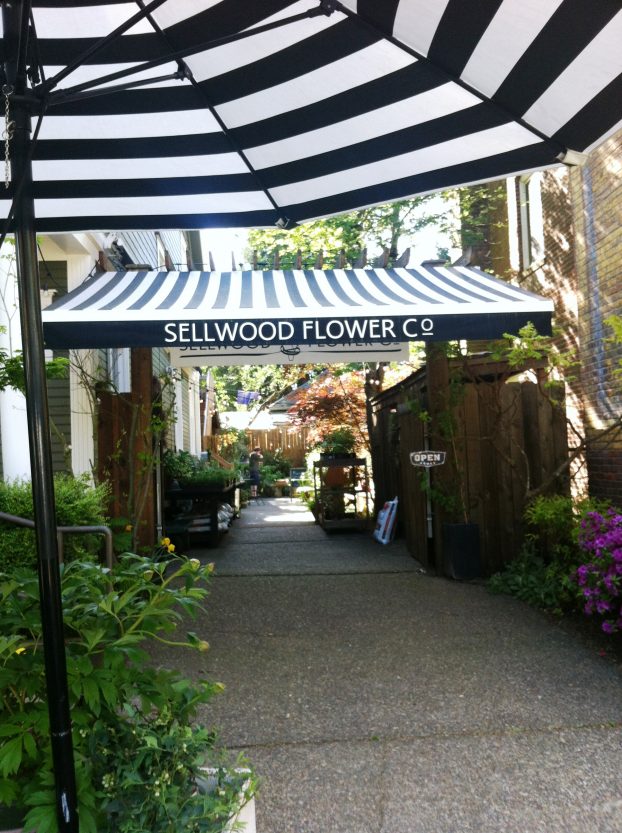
[(509, 438)]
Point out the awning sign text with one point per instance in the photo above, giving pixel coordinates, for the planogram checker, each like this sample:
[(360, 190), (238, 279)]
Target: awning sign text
[(297, 331)]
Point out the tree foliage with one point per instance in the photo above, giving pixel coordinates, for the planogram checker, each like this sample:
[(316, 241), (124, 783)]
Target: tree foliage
[(347, 235), (268, 380), (332, 400)]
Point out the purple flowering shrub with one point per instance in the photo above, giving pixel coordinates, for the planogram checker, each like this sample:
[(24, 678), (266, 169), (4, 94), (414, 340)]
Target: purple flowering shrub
[(600, 578)]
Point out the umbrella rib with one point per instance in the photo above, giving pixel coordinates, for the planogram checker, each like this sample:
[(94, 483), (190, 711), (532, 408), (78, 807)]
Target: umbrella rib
[(68, 93), (52, 82), (185, 69), (557, 147)]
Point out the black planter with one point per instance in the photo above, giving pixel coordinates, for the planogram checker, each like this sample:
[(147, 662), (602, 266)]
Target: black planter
[(460, 551)]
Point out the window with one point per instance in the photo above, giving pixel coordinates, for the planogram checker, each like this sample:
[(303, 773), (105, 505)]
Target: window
[(119, 371), (531, 220)]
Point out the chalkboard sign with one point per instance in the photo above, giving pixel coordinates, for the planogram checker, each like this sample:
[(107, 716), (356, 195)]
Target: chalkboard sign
[(295, 476)]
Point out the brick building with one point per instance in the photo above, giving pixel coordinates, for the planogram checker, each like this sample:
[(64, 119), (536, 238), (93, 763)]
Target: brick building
[(559, 233), (596, 200)]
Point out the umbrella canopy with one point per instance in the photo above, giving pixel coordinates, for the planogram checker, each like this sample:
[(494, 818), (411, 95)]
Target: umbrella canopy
[(205, 113)]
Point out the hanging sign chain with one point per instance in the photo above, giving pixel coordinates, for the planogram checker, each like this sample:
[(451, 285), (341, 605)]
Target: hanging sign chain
[(7, 134)]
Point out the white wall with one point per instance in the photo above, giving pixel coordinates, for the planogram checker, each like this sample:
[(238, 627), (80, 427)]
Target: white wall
[(13, 419)]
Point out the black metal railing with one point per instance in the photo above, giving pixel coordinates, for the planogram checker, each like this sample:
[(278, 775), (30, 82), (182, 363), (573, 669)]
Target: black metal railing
[(61, 531)]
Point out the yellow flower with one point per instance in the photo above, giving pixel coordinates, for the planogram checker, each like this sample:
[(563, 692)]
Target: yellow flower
[(165, 542), (171, 547), (128, 528), (20, 650)]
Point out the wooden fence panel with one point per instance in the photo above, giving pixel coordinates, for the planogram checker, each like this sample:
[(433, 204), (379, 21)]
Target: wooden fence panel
[(510, 440)]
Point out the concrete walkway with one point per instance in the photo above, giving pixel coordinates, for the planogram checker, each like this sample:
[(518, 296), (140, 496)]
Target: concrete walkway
[(373, 698)]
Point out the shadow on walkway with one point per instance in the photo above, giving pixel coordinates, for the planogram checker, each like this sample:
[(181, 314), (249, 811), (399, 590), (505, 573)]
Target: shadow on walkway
[(372, 698)]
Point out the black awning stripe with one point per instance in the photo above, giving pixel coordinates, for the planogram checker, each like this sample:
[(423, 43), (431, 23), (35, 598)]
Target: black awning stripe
[(144, 299), (294, 294), (319, 296), (360, 290), (500, 290), (130, 290), (455, 125), (224, 291), (470, 291), (334, 283), (91, 299), (200, 292), (440, 288), (411, 289), (178, 287), (395, 86), (386, 291), (246, 297), (575, 23), (269, 290)]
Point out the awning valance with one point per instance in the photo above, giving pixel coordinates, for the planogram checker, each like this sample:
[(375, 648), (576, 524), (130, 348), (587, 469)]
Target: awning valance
[(206, 313)]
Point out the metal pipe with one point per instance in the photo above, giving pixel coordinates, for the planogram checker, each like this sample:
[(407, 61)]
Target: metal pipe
[(16, 20)]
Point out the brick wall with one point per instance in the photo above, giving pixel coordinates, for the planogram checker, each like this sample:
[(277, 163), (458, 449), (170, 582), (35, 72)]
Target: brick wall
[(596, 191)]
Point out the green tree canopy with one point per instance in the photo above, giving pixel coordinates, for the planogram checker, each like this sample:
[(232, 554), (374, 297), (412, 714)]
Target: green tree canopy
[(344, 236)]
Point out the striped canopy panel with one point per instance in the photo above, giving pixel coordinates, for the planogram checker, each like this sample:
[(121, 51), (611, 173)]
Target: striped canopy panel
[(248, 113), (204, 313)]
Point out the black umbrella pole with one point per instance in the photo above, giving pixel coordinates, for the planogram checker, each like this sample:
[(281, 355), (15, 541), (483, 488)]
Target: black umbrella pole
[(42, 478)]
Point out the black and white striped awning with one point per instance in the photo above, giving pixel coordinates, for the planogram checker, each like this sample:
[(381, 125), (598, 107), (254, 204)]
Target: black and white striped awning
[(247, 114), (204, 313)]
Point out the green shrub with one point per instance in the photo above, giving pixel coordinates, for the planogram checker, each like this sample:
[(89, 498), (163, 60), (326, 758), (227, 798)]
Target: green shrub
[(531, 579), (541, 575), (276, 460), (77, 504), (137, 745), (179, 465)]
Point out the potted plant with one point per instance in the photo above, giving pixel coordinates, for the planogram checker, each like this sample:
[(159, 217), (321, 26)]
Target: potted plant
[(139, 752), (339, 443)]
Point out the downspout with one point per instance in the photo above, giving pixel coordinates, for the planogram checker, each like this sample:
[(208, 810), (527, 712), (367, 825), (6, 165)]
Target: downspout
[(16, 32)]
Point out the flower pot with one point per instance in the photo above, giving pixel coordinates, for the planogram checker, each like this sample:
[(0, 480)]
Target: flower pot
[(460, 551), (244, 822)]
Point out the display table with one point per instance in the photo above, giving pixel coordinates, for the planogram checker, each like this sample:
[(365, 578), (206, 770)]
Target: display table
[(341, 487), (193, 511)]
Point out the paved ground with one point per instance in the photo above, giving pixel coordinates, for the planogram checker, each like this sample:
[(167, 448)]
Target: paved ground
[(373, 698)]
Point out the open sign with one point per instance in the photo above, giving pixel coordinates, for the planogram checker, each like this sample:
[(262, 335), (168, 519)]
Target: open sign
[(427, 459)]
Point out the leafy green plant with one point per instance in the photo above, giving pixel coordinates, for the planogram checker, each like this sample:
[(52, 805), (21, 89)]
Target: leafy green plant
[(133, 724), (179, 465), (78, 503), (339, 441), (531, 579)]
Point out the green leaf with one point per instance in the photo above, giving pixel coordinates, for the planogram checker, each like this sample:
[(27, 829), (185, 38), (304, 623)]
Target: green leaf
[(11, 756), (90, 690), (8, 791), (42, 819)]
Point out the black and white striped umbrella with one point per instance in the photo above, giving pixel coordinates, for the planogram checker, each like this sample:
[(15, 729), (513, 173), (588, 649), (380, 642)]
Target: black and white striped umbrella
[(231, 113)]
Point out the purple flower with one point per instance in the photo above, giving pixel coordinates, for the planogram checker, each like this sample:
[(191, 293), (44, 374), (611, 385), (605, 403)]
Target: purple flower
[(608, 626)]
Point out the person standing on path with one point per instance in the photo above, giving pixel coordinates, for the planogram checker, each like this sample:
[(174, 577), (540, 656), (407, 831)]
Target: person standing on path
[(254, 462)]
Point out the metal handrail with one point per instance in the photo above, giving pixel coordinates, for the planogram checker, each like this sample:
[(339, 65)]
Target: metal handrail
[(61, 531)]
